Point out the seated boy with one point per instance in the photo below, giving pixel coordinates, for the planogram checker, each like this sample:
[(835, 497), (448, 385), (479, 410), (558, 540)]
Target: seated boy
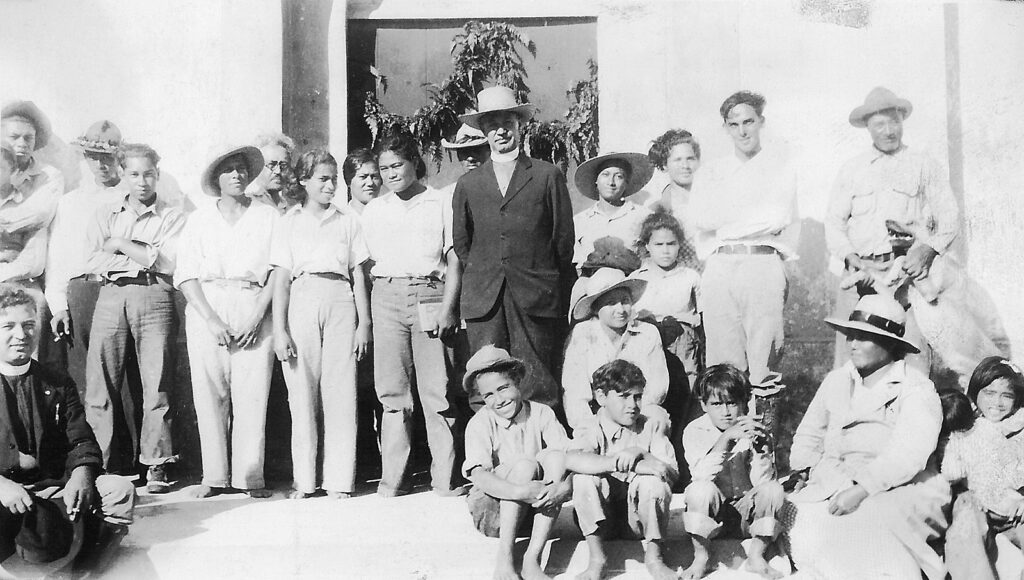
[(515, 459), (733, 473), (625, 467)]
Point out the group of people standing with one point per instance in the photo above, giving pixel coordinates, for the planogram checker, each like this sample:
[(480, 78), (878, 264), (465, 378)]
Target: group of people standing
[(652, 329)]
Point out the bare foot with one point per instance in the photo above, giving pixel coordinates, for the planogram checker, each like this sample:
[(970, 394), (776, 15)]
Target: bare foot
[(699, 568), (594, 571), (505, 570), (204, 491), (339, 494), (533, 571), (758, 565), (261, 493), (299, 494), (656, 565)]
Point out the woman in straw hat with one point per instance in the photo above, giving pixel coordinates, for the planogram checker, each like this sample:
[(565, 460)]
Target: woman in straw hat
[(610, 179), (874, 497), (224, 271)]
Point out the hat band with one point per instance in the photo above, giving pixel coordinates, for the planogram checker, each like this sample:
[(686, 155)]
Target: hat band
[(878, 322)]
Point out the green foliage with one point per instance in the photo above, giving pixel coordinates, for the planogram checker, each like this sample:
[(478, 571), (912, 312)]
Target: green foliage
[(486, 53)]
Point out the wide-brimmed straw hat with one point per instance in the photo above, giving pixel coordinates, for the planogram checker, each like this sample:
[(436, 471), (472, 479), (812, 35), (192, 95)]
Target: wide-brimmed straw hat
[(878, 315), (602, 282), (30, 111), (253, 161), (489, 358), (100, 137), (640, 172), (465, 138), (493, 100), (879, 99)]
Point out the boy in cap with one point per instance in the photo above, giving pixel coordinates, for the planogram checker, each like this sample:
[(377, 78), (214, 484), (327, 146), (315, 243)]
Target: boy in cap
[(624, 469), (132, 244), (515, 459)]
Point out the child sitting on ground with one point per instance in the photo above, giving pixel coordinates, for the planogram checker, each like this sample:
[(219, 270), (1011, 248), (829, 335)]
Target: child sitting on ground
[(515, 460), (733, 474), (986, 450), (624, 471)]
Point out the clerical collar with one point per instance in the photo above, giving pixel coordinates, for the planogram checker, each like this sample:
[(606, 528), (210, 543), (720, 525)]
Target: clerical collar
[(505, 157), (9, 370)]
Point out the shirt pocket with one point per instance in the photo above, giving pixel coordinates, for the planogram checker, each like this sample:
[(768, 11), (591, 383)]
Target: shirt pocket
[(862, 203)]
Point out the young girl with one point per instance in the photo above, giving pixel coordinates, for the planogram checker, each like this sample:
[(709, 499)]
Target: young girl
[(415, 307), (986, 449), (321, 326), (362, 177)]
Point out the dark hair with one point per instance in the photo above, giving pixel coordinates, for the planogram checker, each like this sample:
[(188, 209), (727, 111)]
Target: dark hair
[(992, 368), (957, 412), (660, 219), (725, 381), (514, 370), (403, 144), (12, 296), (305, 166), (619, 375), (353, 161), (755, 100), (622, 164), (663, 145), (136, 150)]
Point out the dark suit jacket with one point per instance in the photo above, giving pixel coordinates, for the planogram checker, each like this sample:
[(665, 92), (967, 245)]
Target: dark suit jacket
[(64, 438), (524, 239)]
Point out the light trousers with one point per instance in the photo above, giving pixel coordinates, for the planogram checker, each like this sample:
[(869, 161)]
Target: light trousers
[(643, 504), (322, 383), (230, 386)]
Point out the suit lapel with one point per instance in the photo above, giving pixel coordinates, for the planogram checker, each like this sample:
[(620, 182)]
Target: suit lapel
[(490, 180), (521, 175)]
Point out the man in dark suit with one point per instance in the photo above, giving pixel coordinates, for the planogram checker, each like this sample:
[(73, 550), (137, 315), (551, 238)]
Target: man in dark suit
[(513, 231), (47, 449)]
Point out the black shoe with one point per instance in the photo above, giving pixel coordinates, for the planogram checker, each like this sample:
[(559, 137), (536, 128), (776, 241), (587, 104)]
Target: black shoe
[(157, 480)]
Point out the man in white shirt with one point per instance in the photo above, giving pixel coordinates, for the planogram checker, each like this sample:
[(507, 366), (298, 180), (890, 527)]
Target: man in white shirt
[(743, 208)]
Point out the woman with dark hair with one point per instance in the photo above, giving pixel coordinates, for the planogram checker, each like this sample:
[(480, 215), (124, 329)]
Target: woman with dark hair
[(415, 308), (676, 153), (321, 326), (362, 178)]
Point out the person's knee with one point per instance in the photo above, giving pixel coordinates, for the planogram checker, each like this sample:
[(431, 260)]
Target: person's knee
[(768, 496), (652, 487), (702, 496), (524, 470)]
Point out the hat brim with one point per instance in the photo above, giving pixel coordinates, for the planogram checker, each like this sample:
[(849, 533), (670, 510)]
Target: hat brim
[(92, 147), (509, 363), (478, 142), (582, 310), (525, 112), (859, 116), (29, 110), (253, 160), (844, 325), (641, 171)]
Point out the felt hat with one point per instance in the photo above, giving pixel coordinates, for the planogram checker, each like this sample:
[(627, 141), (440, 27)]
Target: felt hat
[(878, 315), (48, 534), (253, 160), (30, 111), (602, 282), (489, 358), (100, 137), (879, 99), (611, 252), (465, 138), (494, 99), (640, 172)]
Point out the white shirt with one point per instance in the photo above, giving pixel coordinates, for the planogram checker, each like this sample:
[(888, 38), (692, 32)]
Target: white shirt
[(409, 238), (332, 242), (211, 248), (673, 293), (25, 217), (593, 224)]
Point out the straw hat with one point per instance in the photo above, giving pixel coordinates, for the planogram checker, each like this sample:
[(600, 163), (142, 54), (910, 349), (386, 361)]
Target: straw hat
[(253, 161), (640, 172), (488, 358), (879, 315), (494, 99), (879, 99), (602, 282), (30, 111), (465, 138), (100, 137)]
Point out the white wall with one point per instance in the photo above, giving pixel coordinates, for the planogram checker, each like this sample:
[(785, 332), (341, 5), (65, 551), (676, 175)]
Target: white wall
[(180, 75)]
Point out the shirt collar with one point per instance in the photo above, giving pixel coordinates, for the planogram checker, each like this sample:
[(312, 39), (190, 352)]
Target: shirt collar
[(627, 208), (328, 213), (894, 372), (876, 154), (613, 430), (648, 267), (22, 179), (505, 157), (154, 209), (10, 370)]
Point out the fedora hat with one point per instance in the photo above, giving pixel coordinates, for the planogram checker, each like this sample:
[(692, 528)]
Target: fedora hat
[(878, 315), (879, 99), (640, 172), (465, 138), (253, 161), (48, 534), (493, 100), (603, 281), (489, 358), (100, 137), (30, 111)]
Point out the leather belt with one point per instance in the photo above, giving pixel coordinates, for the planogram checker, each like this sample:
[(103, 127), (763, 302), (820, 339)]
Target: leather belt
[(88, 278), (886, 257), (232, 283), (141, 279), (324, 275), (745, 249)]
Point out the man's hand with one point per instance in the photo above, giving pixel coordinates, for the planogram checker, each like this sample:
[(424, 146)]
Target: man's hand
[(919, 261), (745, 426), (219, 330), (114, 245), (854, 263), (250, 331), (14, 497), (847, 501), (60, 324), (284, 346), (447, 323), (530, 491), (626, 460), (653, 467), (80, 492), (554, 494), (363, 341)]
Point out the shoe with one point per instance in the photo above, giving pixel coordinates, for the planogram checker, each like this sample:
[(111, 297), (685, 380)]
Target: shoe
[(157, 480)]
